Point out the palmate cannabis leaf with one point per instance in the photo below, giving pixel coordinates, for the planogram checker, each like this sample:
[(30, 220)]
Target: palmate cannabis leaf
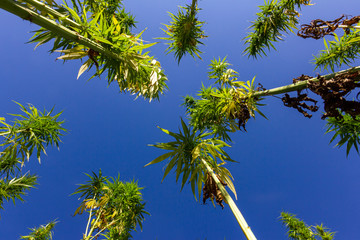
[(186, 153), (184, 32)]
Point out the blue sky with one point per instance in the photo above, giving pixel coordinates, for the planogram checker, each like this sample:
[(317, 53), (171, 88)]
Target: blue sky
[(285, 163)]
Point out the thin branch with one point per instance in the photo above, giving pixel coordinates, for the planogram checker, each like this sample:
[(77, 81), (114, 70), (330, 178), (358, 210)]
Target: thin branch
[(343, 26), (103, 229), (302, 84), (239, 217), (88, 236), (89, 220)]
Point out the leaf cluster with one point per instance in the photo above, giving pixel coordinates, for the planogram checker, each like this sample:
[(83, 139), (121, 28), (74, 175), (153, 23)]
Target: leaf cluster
[(31, 130), (14, 188), (184, 32), (274, 19), (122, 60), (218, 108), (342, 50), (298, 230), (186, 154), (115, 208), (346, 129), (44, 232)]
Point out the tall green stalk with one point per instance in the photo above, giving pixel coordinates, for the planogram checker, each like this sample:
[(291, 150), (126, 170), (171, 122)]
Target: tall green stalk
[(302, 84), (27, 14), (239, 217)]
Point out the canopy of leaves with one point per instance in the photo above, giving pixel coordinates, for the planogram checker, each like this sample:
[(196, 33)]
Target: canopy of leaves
[(342, 50), (33, 130), (186, 153), (274, 19), (105, 24), (298, 230), (347, 130), (220, 107), (15, 187), (115, 207), (44, 232), (30, 131), (184, 32)]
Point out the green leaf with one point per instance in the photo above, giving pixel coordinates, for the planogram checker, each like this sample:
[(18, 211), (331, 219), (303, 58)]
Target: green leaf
[(84, 67), (160, 158), (71, 56), (103, 40), (169, 167)]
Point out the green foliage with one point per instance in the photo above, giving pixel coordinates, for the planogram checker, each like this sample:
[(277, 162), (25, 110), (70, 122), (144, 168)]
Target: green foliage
[(108, 25), (30, 131), (223, 75), (115, 208), (33, 130), (219, 108), (298, 230), (184, 32), (347, 129), (186, 153), (15, 187), (207, 112), (274, 19), (343, 50), (44, 232)]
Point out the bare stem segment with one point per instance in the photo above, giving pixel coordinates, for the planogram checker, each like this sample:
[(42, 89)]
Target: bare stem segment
[(302, 84), (239, 217)]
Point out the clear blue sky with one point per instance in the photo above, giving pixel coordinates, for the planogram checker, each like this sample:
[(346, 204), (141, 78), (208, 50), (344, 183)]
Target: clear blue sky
[(285, 163)]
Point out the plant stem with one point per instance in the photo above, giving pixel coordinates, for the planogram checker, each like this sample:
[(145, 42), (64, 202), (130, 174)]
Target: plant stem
[(239, 217), (343, 26), (302, 84), (103, 229), (88, 236), (89, 220), (61, 31), (193, 7), (44, 8)]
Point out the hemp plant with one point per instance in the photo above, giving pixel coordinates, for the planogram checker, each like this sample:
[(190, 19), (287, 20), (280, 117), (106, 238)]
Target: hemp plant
[(185, 32), (44, 232), (101, 32), (114, 208), (198, 158), (31, 132), (298, 230), (274, 19), (225, 106)]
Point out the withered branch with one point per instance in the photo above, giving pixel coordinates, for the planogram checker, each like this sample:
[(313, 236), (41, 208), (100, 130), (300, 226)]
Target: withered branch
[(334, 91), (319, 28)]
